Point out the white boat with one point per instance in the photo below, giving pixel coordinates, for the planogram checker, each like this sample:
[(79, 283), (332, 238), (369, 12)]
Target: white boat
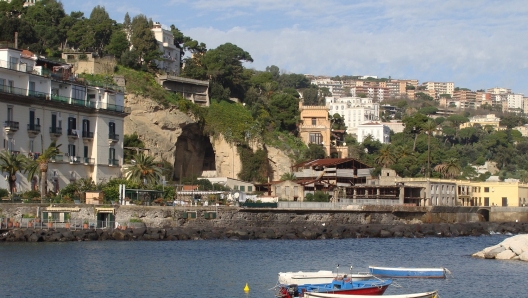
[(394, 272), (317, 277), (433, 294)]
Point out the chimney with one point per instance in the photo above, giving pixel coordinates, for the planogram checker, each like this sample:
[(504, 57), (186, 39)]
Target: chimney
[(16, 40)]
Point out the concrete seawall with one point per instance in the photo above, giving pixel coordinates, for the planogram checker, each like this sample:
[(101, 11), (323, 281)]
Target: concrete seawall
[(181, 223)]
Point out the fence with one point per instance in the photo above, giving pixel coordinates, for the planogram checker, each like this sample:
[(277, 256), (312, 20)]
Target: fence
[(73, 224), (344, 204)]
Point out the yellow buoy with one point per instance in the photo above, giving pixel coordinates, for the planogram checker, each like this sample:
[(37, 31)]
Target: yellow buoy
[(246, 288)]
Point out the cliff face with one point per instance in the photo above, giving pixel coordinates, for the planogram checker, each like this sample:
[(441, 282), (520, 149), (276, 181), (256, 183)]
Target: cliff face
[(176, 137)]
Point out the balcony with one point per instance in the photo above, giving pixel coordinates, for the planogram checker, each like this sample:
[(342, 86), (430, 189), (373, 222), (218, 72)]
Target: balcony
[(72, 135), (113, 138), (57, 158), (88, 161), (87, 136), (33, 129), (11, 126), (74, 160), (113, 162), (55, 132)]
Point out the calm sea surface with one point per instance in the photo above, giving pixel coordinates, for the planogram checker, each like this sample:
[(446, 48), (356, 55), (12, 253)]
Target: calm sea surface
[(222, 268)]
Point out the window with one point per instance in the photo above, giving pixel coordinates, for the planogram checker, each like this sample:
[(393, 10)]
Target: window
[(31, 149), (111, 153), (71, 150), (314, 121), (85, 151), (250, 188), (316, 138), (9, 113), (31, 88), (2, 84), (78, 92), (72, 125), (10, 86), (486, 189), (242, 188), (111, 128)]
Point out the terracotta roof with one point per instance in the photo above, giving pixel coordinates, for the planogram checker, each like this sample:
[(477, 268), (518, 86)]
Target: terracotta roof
[(190, 187), (27, 53)]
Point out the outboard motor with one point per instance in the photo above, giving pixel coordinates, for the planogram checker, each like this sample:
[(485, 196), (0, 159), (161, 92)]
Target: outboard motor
[(293, 290)]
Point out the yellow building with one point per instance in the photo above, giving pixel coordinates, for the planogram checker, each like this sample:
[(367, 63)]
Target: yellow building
[(505, 194), (483, 121), (315, 127)]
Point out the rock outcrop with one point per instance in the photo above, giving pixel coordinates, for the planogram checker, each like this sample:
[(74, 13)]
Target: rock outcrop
[(176, 137), (513, 248)]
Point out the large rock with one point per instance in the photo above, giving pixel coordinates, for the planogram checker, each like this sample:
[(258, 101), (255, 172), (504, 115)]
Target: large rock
[(505, 255), (513, 248)]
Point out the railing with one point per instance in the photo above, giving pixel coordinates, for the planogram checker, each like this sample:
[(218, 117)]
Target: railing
[(63, 99), (72, 133), (88, 160), (60, 98), (16, 66), (71, 224), (75, 159), (58, 157), (113, 162), (14, 125), (116, 108), (113, 137), (105, 85), (33, 127), (55, 130), (87, 135)]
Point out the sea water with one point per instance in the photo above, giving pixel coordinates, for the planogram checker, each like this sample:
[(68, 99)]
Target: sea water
[(221, 268)]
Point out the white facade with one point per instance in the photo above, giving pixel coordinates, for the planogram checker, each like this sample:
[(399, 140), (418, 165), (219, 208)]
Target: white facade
[(38, 107), (377, 130), (354, 110), (515, 101), (170, 58), (440, 87)]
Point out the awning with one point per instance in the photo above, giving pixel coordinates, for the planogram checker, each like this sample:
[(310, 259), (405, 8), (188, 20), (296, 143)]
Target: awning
[(105, 210), (198, 192), (63, 209)]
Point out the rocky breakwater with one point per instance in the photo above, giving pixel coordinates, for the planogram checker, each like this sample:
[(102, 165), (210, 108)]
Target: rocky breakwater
[(292, 231), (513, 248)]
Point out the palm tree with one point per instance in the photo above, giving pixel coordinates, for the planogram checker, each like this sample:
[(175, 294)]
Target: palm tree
[(12, 163), (144, 169), (429, 128), (386, 157), (450, 169), (41, 165), (288, 176)]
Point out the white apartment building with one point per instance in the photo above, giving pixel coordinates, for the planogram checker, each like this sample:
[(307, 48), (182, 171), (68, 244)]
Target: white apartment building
[(515, 101), (170, 57), (440, 87), (377, 130), (354, 110), (41, 101)]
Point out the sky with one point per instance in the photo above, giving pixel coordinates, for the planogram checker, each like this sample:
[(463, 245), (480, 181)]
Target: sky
[(476, 44)]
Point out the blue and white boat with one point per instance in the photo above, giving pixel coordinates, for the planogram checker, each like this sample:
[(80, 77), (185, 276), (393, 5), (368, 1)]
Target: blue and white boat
[(408, 272)]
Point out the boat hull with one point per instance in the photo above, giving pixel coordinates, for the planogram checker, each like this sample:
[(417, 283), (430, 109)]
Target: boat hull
[(432, 294), (401, 272), (343, 287), (316, 277)]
